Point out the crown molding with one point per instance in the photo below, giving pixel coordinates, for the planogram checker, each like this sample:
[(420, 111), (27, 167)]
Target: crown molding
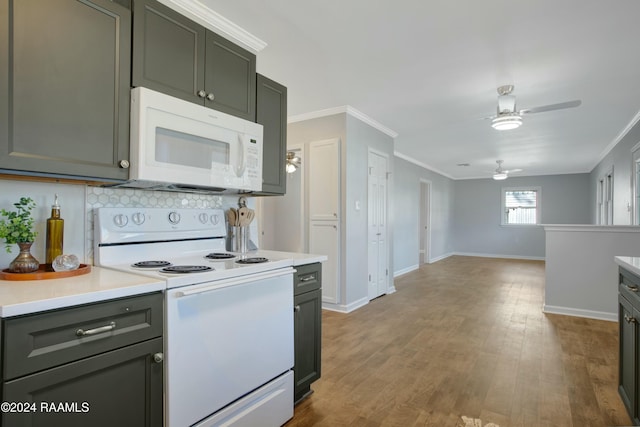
[(343, 109), (422, 165), (197, 11), (617, 139)]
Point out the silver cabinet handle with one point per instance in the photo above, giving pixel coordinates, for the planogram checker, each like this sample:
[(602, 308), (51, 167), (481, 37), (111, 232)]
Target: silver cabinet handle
[(296, 308), (124, 164), (632, 288), (201, 94), (630, 319), (87, 333), (158, 357), (211, 96), (307, 278)]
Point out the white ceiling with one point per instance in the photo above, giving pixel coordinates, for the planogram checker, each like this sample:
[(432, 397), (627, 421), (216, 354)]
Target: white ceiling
[(429, 69)]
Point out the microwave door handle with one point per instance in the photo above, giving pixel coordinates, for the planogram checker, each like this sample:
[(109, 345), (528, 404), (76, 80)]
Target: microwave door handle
[(240, 166)]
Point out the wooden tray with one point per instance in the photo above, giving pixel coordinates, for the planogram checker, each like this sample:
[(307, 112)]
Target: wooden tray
[(43, 274)]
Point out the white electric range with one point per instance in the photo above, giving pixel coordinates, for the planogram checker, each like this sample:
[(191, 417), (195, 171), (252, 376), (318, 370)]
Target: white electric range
[(228, 316)]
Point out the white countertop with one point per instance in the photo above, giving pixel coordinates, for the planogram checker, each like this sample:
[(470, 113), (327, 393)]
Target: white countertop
[(30, 296), (629, 263), (101, 284)]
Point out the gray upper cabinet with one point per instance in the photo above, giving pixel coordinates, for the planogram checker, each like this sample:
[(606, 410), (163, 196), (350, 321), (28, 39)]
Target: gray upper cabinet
[(176, 56), (64, 88), (168, 51), (271, 113)]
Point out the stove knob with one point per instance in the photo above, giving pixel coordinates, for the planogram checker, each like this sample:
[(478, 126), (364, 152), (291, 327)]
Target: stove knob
[(138, 218), (174, 217), (203, 217), (215, 219), (120, 220)]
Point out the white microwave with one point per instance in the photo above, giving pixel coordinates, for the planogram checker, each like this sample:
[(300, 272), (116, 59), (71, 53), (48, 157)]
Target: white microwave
[(180, 146)]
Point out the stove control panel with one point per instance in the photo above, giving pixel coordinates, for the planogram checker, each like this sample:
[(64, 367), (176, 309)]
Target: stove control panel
[(121, 225)]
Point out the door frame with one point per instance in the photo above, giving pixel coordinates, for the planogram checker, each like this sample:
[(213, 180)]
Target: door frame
[(424, 193)]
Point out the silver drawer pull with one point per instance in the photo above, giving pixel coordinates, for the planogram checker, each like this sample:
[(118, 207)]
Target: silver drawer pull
[(296, 309), (630, 319), (86, 333), (307, 278), (632, 288)]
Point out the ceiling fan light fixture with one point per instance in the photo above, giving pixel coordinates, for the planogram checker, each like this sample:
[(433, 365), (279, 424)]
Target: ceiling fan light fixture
[(506, 122), (499, 176), (293, 162)]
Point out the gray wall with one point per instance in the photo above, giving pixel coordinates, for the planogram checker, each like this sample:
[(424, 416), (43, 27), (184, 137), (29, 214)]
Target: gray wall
[(356, 139), (565, 200), (620, 159), (360, 138), (405, 218)]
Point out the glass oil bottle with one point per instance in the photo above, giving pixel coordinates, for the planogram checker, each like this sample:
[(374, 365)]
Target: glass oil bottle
[(55, 234)]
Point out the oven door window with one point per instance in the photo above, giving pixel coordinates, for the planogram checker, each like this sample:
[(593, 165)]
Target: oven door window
[(194, 151)]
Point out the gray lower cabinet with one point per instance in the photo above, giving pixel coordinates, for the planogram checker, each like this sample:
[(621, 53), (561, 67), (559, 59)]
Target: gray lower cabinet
[(98, 364), (307, 328), (179, 57), (271, 113), (629, 356), (64, 88)]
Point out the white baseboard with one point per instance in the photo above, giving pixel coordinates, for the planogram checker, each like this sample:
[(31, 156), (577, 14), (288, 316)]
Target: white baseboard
[(341, 308), (405, 270), (578, 312), (440, 258), (481, 255)]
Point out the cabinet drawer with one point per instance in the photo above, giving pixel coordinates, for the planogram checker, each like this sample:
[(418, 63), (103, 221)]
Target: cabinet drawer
[(307, 278), (44, 340), (630, 287)]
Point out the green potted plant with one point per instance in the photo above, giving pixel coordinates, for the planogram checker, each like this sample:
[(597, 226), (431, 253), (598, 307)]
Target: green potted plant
[(16, 227)]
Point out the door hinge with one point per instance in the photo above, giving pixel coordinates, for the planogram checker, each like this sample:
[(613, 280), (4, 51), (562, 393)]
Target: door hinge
[(369, 277), (386, 272)]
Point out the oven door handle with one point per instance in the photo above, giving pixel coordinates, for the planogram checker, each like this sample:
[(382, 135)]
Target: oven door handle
[(238, 281)]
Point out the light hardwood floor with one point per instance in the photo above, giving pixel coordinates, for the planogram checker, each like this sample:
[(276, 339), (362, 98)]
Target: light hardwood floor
[(465, 336)]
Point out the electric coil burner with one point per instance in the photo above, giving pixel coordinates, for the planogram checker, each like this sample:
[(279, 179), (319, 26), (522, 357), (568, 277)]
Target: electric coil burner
[(151, 264), (252, 260), (185, 269), (220, 255)]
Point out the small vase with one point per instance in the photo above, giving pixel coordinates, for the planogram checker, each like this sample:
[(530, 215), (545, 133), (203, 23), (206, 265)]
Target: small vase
[(24, 262)]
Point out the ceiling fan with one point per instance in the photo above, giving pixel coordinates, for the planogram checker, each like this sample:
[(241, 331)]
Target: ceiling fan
[(293, 162), (500, 173), (507, 117)]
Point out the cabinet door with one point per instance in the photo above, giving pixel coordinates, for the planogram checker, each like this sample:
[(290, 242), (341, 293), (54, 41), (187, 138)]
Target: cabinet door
[(168, 51), (271, 113), (64, 87), (119, 388), (230, 78), (324, 239), (628, 356), (324, 179), (308, 338)]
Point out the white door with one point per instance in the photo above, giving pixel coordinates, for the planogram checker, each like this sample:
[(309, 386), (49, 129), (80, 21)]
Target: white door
[(425, 221), (324, 180), (324, 239), (377, 225)]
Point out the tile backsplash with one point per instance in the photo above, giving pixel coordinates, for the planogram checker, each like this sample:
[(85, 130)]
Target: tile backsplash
[(79, 201)]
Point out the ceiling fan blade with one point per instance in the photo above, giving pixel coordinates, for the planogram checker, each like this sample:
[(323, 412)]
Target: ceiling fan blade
[(514, 170), (560, 106)]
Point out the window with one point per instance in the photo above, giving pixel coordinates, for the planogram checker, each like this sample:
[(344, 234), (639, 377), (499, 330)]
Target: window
[(521, 206)]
